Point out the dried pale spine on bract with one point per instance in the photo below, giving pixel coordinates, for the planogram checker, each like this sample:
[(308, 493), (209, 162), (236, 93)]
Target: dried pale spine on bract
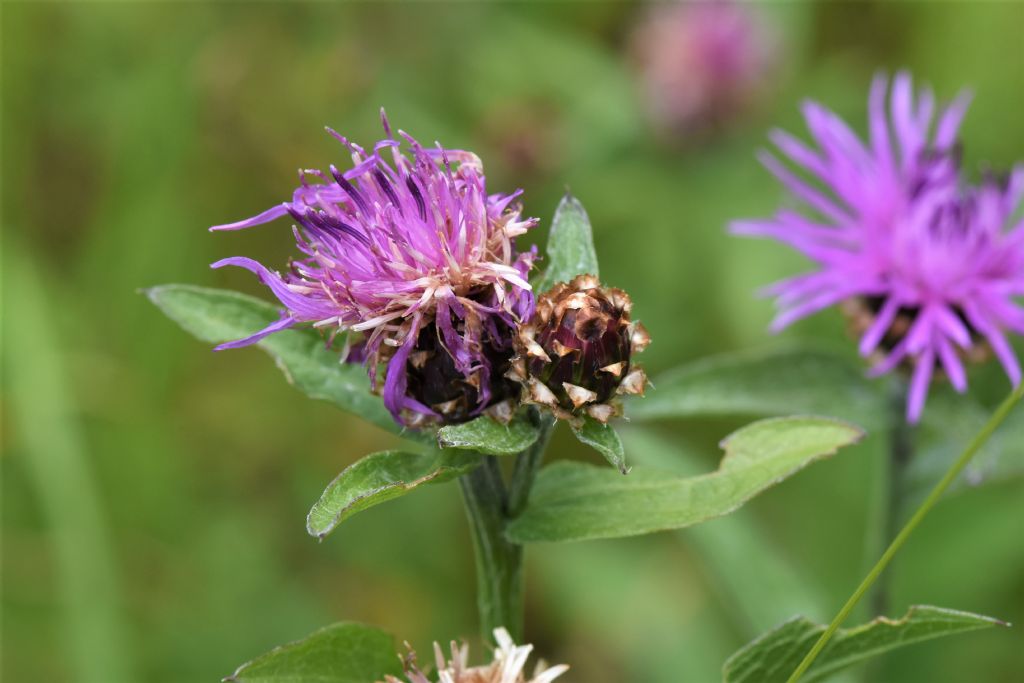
[(576, 355)]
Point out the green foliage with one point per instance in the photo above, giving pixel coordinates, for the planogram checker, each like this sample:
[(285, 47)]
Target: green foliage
[(570, 247), (773, 656), (813, 381), (779, 382), (605, 440), (755, 600), (572, 501), (948, 423), (487, 435), (380, 477), (215, 316), (345, 652)]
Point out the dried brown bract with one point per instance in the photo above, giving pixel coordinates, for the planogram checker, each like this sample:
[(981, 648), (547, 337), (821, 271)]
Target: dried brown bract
[(575, 356)]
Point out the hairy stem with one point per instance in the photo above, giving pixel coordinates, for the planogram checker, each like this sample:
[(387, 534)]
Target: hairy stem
[(499, 563), (954, 471), (490, 505)]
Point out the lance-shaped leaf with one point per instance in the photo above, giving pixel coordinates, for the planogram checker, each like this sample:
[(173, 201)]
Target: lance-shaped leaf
[(605, 440), (342, 653), (380, 477), (570, 247), (487, 435), (572, 501), (773, 657), (217, 315), (765, 384)]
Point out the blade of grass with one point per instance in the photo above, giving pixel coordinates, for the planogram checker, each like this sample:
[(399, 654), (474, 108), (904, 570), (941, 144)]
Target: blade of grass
[(954, 471), (53, 456)]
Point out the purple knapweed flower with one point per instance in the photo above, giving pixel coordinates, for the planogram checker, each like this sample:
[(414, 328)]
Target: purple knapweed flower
[(702, 62), (928, 269), (407, 249)]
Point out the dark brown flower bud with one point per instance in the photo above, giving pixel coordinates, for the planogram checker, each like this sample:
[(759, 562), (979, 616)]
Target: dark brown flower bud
[(575, 354)]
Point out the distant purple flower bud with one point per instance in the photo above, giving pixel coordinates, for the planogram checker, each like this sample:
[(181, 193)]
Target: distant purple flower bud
[(702, 62), (927, 270), (407, 249), (575, 356)]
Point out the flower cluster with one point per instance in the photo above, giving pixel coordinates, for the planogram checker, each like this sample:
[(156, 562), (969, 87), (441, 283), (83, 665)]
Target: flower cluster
[(408, 254), (410, 251), (509, 665), (927, 266)]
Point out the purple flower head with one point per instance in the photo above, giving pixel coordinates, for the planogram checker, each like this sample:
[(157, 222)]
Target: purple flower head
[(407, 249), (702, 61), (928, 270)]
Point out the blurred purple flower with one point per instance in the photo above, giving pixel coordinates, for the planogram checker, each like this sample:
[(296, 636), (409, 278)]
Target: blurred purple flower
[(701, 62), (409, 250), (929, 270)]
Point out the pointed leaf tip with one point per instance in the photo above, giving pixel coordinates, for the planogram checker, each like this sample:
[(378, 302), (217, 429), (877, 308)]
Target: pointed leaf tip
[(773, 656), (605, 440), (570, 247), (380, 477)]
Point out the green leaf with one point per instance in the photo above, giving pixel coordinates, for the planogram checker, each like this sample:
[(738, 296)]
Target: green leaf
[(603, 439), (753, 598), (380, 477), (487, 435), (570, 245), (773, 657), (341, 653), (573, 502), (781, 382), (218, 315)]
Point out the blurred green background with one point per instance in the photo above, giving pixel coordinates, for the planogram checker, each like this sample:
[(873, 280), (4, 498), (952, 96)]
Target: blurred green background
[(154, 492)]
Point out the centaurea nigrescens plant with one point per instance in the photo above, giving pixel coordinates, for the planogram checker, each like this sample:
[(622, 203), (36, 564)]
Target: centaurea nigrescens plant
[(412, 307)]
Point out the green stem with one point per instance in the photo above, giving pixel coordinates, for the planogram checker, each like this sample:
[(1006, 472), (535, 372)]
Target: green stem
[(499, 563), (490, 505), (901, 452), (954, 471), (527, 463)]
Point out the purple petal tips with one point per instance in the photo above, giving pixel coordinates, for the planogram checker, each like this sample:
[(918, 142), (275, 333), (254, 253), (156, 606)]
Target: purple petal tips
[(407, 248), (926, 268)]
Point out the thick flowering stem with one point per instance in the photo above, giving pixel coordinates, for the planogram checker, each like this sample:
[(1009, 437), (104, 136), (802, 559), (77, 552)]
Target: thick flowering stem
[(954, 471), (527, 463), (490, 505), (499, 563), (894, 485)]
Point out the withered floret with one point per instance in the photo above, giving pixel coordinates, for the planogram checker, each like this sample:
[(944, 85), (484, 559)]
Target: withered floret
[(575, 356), (435, 382)]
